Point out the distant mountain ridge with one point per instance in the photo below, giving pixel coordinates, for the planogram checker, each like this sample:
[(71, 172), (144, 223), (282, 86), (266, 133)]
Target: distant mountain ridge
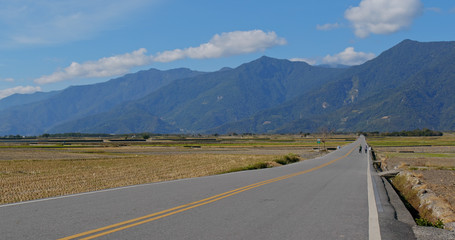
[(22, 99), (408, 86), (37, 117), (209, 100)]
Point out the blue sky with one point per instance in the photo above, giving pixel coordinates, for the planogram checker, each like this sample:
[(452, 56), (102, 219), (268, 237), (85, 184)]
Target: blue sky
[(49, 45)]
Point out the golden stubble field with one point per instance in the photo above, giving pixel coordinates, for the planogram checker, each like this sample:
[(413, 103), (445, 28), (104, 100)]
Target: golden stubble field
[(434, 165), (430, 160), (28, 173)]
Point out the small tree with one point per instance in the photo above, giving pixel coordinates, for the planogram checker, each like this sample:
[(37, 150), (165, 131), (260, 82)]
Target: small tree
[(46, 135), (325, 133), (146, 136)]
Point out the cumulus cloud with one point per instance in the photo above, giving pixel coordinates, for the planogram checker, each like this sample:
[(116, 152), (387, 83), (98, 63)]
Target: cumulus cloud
[(19, 89), (348, 57), (328, 26), (104, 67), (307, 60), (226, 44), (383, 16)]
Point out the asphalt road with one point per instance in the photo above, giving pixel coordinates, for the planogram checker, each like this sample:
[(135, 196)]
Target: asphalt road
[(328, 197)]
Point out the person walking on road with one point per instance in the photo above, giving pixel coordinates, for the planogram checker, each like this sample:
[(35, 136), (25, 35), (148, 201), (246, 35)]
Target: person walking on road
[(360, 149)]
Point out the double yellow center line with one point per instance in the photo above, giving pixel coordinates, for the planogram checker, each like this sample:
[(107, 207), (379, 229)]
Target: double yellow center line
[(168, 212)]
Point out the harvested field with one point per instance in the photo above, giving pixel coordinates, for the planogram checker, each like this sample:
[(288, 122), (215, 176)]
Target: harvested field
[(33, 173), (31, 179), (420, 157), (434, 165), (49, 154), (442, 182)]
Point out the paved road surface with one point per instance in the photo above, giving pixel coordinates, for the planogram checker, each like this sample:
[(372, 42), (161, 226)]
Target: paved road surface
[(324, 198)]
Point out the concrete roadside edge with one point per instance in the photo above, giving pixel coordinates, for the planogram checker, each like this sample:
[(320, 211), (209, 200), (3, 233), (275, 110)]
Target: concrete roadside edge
[(403, 215)]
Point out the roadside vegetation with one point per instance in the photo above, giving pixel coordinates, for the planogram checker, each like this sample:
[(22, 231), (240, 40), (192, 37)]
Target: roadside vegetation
[(287, 159), (414, 133), (283, 160)]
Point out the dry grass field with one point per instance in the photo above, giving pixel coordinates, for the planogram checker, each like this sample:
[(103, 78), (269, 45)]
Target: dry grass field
[(430, 159), (32, 172), (32, 179), (436, 166)]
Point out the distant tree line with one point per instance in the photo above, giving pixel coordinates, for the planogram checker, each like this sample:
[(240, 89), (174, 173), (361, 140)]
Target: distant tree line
[(404, 133), (416, 132), (74, 135), (17, 137), (97, 135)]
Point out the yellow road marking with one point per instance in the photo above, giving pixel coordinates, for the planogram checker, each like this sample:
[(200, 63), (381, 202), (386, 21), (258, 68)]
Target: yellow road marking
[(171, 211)]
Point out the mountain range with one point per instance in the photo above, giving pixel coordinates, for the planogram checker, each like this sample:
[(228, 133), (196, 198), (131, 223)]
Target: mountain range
[(406, 87)]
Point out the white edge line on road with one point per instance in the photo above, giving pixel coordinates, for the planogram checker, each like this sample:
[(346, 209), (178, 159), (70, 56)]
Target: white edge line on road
[(374, 232)]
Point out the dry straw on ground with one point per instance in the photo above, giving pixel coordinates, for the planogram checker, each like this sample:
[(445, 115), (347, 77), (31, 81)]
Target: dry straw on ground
[(433, 167), (22, 180), (30, 172)]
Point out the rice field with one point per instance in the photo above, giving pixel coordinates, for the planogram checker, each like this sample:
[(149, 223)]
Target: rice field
[(22, 180), (29, 172)]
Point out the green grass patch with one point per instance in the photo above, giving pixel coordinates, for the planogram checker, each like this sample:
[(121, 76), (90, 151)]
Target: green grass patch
[(420, 155), (289, 158), (258, 165), (286, 159), (424, 222), (436, 155), (411, 141)]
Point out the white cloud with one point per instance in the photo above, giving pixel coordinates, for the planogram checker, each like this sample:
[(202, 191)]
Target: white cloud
[(307, 60), (19, 89), (348, 57), (104, 67), (383, 16), (226, 44), (328, 26), (27, 22)]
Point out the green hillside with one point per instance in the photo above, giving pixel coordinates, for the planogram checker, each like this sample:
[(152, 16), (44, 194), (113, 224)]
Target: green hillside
[(407, 87), (37, 117), (210, 100)]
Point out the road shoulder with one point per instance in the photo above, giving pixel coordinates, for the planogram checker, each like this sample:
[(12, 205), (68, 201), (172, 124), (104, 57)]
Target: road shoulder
[(403, 222)]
